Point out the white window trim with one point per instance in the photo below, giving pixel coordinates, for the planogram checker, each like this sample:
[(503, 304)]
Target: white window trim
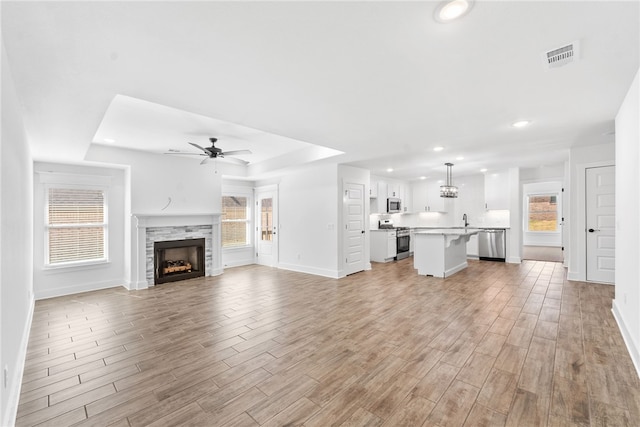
[(247, 192), (86, 182)]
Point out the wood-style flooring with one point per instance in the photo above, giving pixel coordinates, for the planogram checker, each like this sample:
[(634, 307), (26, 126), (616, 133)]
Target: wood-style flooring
[(496, 344)]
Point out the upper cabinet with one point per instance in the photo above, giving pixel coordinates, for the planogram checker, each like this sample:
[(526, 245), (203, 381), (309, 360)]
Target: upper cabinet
[(426, 197), (393, 190), (373, 189), (381, 189), (496, 190)]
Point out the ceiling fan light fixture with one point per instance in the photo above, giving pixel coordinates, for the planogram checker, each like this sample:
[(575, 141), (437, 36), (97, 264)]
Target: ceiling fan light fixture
[(449, 191), (451, 10)]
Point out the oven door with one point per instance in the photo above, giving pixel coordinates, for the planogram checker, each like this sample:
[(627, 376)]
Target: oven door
[(402, 246)]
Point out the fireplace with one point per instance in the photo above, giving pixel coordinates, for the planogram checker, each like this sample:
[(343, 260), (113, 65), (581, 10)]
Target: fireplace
[(150, 228), (175, 260)]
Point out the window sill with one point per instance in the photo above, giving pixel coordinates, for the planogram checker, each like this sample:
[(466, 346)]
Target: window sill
[(75, 266), (236, 248)]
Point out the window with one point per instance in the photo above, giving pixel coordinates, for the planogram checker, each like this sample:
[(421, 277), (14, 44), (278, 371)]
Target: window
[(235, 221), (76, 226), (543, 212)]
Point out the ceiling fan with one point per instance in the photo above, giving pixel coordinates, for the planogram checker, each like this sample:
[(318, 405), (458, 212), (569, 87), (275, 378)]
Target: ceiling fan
[(214, 152)]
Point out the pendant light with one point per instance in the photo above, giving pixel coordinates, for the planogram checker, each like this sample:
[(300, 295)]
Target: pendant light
[(449, 190)]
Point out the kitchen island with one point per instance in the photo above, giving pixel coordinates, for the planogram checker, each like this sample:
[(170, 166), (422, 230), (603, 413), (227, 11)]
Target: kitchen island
[(441, 252)]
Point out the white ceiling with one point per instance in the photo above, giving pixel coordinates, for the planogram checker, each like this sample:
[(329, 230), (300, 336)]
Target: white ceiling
[(380, 81)]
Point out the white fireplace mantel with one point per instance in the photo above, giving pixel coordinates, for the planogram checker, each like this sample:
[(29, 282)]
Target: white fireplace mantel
[(174, 220), (140, 222)]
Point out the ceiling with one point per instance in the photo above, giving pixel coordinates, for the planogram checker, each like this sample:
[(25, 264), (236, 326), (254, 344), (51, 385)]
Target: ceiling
[(372, 84)]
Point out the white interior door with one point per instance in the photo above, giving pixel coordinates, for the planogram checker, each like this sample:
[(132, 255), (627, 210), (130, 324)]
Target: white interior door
[(600, 224), (354, 241), (266, 226)]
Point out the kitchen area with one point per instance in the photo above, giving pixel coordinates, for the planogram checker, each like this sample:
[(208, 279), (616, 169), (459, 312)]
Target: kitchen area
[(441, 233)]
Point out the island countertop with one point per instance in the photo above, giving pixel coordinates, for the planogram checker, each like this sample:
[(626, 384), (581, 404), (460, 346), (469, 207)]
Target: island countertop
[(450, 231)]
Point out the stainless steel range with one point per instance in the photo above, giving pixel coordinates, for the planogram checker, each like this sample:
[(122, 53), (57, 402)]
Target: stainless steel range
[(403, 238)]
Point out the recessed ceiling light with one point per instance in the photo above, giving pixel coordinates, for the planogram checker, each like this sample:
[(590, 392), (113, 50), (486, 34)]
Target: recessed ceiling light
[(438, 148), (109, 140), (483, 170), (521, 123), (460, 158), (390, 170), (423, 177), (450, 10)]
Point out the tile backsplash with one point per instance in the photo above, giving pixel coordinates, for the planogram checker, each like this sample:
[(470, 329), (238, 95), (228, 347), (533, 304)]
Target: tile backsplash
[(493, 218)]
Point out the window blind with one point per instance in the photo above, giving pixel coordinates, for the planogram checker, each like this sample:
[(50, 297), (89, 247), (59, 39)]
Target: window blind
[(76, 225), (235, 220)]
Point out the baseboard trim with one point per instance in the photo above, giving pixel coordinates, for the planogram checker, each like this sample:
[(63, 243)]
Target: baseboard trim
[(634, 352), (76, 289), (11, 410), (310, 270), (514, 260)]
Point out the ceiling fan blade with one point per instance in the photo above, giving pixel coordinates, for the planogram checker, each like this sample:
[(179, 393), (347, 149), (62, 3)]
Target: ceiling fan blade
[(201, 148), (236, 161), (236, 152), (182, 153), (206, 160)]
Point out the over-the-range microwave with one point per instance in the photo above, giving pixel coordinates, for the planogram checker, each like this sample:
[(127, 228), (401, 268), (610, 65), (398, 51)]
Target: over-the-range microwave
[(394, 205)]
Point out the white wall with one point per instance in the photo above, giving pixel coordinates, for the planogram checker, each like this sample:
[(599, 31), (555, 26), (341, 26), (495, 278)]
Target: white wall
[(193, 188), (48, 282), (581, 158), (308, 219), (16, 252), (626, 305)]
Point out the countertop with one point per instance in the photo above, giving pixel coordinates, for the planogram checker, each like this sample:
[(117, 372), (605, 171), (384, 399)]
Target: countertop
[(451, 231), (420, 229)]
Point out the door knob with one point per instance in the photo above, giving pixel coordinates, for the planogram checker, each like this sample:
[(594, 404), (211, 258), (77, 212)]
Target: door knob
[(591, 230), (362, 231)]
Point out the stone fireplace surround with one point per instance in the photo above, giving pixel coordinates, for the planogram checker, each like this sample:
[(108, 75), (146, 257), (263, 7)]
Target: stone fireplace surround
[(149, 228)]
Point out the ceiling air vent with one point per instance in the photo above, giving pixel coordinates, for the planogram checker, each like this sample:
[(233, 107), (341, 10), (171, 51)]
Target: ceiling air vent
[(562, 56)]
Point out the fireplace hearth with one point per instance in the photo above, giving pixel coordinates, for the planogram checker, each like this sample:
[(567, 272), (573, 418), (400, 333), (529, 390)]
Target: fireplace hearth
[(176, 260)]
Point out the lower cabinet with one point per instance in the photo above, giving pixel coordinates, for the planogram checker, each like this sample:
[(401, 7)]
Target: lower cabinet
[(383, 245)]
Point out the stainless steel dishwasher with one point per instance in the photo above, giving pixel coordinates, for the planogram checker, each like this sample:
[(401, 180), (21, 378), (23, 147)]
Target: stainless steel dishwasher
[(492, 244)]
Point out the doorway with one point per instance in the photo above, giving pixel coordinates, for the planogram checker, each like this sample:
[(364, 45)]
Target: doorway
[(600, 224), (354, 220), (543, 221), (266, 226)]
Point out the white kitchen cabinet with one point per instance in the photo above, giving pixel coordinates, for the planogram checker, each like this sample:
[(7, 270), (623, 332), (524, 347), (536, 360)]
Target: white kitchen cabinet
[(393, 190), (419, 195), (435, 203), (373, 189), (496, 190), (383, 246), (378, 197), (407, 198), (426, 197)]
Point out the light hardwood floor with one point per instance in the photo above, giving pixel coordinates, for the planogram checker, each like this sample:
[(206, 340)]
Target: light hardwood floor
[(496, 344)]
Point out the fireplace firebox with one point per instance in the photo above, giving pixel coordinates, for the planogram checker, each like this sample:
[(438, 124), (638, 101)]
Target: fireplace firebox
[(178, 260)]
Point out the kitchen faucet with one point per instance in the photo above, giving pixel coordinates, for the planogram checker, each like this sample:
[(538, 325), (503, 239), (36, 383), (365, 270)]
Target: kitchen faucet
[(464, 218)]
